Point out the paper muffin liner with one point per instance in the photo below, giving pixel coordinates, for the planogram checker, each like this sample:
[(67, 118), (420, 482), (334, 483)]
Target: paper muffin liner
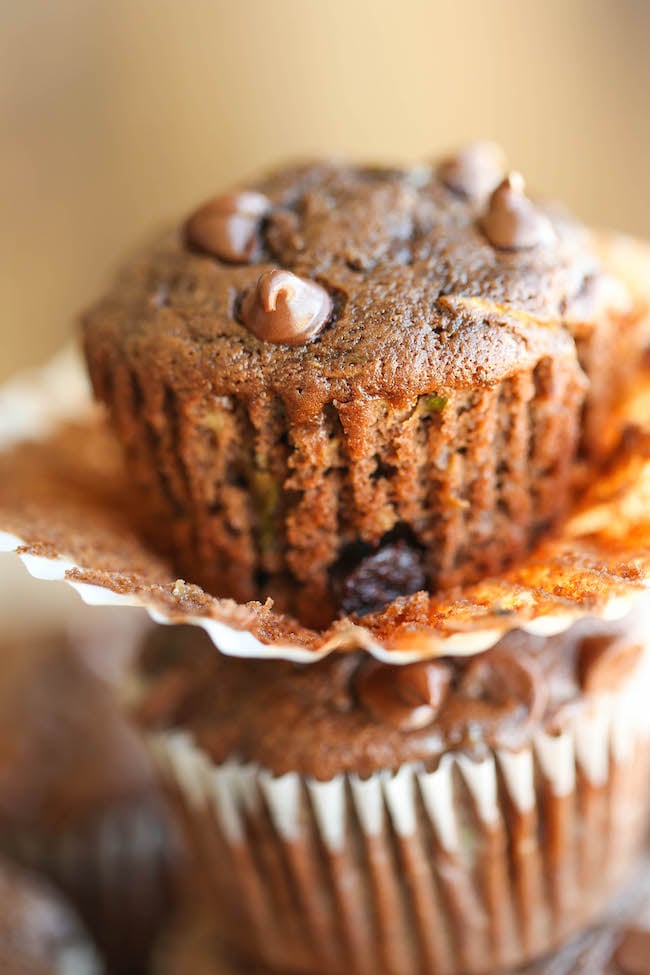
[(475, 867), (192, 947), (67, 508)]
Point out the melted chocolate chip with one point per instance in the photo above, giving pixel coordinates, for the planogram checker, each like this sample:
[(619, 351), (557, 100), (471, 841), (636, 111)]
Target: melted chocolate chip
[(406, 697), (475, 170), (633, 953), (286, 309), (604, 663), (380, 577), (499, 692), (228, 226), (512, 221)]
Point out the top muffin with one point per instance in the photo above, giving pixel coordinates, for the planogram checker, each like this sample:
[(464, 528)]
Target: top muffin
[(347, 383)]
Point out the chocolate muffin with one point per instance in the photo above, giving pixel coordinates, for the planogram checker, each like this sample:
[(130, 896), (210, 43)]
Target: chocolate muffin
[(80, 799), (341, 362), (458, 815)]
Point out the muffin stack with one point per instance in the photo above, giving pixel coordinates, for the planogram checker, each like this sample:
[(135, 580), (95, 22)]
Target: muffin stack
[(360, 392), (338, 388), (347, 369)]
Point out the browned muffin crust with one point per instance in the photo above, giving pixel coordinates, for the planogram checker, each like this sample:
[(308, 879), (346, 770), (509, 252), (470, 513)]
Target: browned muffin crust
[(354, 714), (442, 399)]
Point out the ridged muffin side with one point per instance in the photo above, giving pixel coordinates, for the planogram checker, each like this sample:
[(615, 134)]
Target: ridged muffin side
[(249, 498), (461, 815)]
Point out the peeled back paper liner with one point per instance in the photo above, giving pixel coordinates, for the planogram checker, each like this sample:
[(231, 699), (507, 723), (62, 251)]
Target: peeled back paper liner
[(68, 509)]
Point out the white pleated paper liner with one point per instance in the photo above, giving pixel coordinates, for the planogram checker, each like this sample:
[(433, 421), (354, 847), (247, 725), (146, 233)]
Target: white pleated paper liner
[(475, 867), (192, 946), (68, 509)]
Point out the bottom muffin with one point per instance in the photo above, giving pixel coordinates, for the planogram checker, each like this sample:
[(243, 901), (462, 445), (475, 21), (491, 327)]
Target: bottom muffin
[(458, 815)]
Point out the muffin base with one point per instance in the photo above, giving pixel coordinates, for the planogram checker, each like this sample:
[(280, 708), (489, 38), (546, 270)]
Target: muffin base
[(475, 867)]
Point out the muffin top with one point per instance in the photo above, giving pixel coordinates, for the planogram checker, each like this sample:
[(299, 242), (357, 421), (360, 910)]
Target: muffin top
[(330, 280), (353, 714)]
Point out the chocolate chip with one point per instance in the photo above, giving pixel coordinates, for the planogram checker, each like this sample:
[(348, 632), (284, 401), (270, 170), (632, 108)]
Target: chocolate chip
[(499, 692), (475, 170), (380, 577), (286, 309), (605, 663), (512, 221), (228, 226), (406, 697), (424, 682), (633, 953)]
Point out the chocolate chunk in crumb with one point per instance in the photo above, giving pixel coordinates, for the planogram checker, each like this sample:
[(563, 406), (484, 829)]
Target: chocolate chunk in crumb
[(605, 663), (474, 171), (286, 309), (512, 221), (228, 226), (633, 953), (503, 692), (379, 578), (406, 697)]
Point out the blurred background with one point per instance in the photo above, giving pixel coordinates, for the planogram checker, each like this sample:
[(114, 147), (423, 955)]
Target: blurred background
[(117, 115)]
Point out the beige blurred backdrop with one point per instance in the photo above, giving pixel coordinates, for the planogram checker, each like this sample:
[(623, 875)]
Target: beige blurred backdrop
[(116, 115)]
